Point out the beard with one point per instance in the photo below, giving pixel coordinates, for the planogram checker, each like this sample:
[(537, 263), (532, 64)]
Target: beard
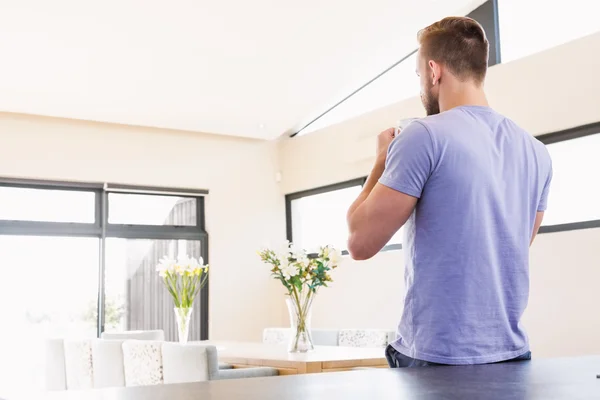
[(430, 101)]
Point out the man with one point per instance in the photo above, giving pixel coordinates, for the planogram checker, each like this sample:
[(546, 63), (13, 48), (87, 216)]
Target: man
[(470, 187)]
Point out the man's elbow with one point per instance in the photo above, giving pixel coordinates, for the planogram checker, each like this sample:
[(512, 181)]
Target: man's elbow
[(358, 249)]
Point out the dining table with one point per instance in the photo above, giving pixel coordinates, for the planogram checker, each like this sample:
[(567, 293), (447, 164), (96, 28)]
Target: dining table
[(321, 359)]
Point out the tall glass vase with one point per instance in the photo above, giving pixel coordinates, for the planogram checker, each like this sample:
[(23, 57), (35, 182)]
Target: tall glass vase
[(300, 309), (183, 316)]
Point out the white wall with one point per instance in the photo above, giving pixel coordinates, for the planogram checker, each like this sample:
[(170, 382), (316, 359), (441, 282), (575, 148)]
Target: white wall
[(563, 318), (244, 207), (545, 92)]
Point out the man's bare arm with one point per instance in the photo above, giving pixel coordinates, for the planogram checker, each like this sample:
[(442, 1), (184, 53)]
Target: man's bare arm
[(379, 211), (536, 227)]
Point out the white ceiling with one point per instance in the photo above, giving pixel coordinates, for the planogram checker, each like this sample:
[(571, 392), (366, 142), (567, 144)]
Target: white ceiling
[(254, 68)]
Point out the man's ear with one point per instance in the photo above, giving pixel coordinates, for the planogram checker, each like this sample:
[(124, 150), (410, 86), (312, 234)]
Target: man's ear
[(436, 72)]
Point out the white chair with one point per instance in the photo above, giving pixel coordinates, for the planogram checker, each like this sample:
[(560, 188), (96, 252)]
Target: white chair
[(185, 363), (365, 338), (325, 337), (78, 364), (158, 335), (152, 363), (320, 337), (55, 372), (276, 335), (142, 362), (99, 363), (107, 361)]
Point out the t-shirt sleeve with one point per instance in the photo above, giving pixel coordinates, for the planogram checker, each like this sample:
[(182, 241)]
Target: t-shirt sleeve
[(410, 160), (543, 204)]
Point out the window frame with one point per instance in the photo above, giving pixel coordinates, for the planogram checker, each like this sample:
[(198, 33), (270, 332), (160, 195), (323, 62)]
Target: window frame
[(102, 230), (320, 190), (563, 136)]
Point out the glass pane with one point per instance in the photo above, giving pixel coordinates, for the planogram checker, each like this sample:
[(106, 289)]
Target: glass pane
[(320, 219), (140, 209), (24, 204), (527, 27), (49, 288), (399, 83), (574, 193), (136, 298)]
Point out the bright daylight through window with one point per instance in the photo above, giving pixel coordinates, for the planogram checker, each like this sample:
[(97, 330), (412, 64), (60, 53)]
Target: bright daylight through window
[(320, 219), (527, 27), (575, 194), (50, 242)]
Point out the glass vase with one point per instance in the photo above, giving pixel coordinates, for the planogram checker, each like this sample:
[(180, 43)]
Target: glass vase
[(183, 316), (300, 309)]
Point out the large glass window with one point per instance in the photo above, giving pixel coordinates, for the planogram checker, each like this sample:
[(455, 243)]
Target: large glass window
[(531, 26), (136, 209), (55, 244), (48, 289), (318, 217), (574, 193), (135, 295), (26, 204)]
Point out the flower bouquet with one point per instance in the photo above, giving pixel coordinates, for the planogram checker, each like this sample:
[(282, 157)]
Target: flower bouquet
[(302, 275), (184, 278)]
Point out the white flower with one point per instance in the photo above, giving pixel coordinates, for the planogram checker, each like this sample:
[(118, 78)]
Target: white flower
[(335, 257), (301, 258), (165, 265), (283, 261), (289, 270), (192, 263), (284, 251)]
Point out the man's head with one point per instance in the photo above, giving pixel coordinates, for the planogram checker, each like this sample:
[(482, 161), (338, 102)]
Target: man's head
[(453, 51)]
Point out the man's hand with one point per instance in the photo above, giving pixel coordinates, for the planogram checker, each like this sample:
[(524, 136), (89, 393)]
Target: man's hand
[(383, 143)]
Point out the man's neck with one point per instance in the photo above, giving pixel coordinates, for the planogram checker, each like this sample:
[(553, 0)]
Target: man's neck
[(462, 94)]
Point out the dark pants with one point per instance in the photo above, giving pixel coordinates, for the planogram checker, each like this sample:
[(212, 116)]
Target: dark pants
[(398, 360)]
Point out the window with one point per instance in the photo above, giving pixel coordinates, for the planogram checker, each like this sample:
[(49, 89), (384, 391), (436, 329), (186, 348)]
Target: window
[(574, 195), (49, 288), (528, 27), (137, 209), (68, 248), (135, 296), (317, 217), (27, 204)]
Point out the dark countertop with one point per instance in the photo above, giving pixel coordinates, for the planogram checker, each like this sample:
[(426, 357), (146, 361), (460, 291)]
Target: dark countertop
[(548, 379)]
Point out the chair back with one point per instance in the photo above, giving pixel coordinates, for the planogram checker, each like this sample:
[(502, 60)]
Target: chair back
[(364, 338), (107, 361), (276, 335), (142, 362), (157, 335), (55, 370), (78, 364), (325, 337)]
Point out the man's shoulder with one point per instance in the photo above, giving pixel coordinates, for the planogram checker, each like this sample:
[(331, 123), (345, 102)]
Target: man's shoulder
[(444, 121)]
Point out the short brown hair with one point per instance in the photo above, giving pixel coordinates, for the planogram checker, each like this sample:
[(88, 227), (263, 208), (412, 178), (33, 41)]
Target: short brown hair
[(460, 44)]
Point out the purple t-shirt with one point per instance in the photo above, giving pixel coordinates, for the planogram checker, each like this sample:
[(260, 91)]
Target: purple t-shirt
[(480, 179)]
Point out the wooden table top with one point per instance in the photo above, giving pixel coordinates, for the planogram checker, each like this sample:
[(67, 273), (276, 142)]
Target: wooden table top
[(548, 379), (280, 353)]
